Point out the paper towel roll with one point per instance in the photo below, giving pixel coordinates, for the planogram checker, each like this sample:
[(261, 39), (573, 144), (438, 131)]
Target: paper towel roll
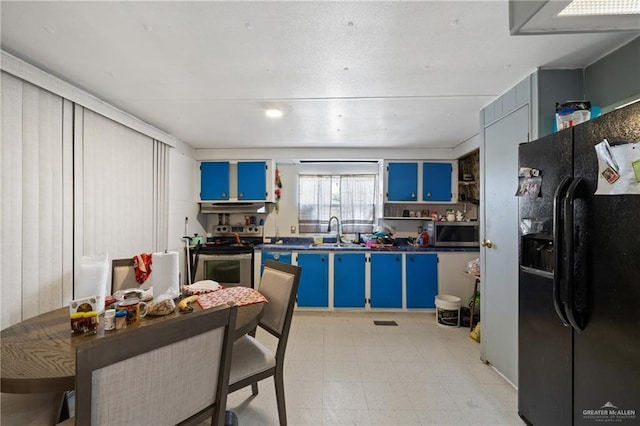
[(93, 279), (166, 272)]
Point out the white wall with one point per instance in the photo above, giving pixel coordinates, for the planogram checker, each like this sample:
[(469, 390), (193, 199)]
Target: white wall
[(288, 214), (284, 154), (183, 203), (289, 165), (451, 277), (467, 146)]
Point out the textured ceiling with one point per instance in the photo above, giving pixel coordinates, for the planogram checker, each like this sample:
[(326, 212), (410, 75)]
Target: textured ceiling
[(346, 74)]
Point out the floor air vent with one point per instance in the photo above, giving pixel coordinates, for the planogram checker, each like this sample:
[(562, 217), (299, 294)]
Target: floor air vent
[(385, 323)]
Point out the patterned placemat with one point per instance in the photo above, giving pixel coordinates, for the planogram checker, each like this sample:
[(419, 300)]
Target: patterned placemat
[(241, 295)]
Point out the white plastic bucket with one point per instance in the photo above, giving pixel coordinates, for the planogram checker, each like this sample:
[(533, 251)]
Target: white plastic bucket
[(448, 310)]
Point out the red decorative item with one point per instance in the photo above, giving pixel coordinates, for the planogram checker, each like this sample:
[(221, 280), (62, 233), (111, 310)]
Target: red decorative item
[(142, 266), (277, 192)]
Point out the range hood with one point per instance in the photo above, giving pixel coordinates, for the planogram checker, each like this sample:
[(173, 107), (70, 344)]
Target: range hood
[(226, 207)]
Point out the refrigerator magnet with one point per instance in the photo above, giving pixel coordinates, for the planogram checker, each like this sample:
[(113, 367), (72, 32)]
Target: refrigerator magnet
[(610, 175)]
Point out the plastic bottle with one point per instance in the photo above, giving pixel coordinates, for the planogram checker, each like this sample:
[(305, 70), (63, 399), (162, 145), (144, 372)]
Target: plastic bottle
[(110, 319), (424, 239)]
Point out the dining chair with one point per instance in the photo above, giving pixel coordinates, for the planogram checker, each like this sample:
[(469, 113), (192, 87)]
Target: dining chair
[(123, 275), (253, 361), (159, 373)]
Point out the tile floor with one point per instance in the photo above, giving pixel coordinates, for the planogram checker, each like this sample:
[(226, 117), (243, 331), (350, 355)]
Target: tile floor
[(342, 369)]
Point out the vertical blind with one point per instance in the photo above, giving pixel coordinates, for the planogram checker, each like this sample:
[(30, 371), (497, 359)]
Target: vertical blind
[(73, 183), (124, 181), (36, 199)]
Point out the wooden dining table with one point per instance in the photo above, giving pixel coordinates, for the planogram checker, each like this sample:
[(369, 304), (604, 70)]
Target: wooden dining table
[(39, 354)]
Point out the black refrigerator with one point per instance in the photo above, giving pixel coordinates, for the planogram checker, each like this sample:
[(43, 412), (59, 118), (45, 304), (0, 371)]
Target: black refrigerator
[(579, 281)]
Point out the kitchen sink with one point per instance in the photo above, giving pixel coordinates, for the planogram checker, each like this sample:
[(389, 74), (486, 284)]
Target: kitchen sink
[(340, 246)]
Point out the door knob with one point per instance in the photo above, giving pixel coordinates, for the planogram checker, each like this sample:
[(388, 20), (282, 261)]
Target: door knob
[(486, 243)]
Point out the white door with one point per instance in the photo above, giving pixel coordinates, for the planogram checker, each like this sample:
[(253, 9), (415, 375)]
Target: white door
[(499, 263)]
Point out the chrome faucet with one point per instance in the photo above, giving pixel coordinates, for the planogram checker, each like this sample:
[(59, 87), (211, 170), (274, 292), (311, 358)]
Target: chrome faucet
[(338, 226)]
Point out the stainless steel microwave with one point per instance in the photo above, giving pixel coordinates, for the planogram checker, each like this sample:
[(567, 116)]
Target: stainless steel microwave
[(456, 234)]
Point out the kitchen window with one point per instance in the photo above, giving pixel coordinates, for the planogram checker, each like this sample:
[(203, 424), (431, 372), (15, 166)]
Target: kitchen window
[(349, 197)]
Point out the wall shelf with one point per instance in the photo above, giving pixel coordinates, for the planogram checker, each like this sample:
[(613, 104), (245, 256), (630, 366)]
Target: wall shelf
[(406, 218)]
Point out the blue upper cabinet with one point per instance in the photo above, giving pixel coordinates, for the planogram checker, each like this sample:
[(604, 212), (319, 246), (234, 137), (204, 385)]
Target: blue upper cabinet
[(437, 181), (252, 180), (402, 181), (214, 180), (237, 181)]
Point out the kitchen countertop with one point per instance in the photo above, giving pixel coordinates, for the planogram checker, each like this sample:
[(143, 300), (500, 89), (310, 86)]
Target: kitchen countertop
[(306, 244)]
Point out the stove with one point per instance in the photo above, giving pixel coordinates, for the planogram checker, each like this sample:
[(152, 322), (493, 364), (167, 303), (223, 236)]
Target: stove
[(227, 256), (233, 239)]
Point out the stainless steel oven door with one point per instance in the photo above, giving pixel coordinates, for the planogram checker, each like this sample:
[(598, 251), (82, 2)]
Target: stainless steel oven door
[(226, 269)]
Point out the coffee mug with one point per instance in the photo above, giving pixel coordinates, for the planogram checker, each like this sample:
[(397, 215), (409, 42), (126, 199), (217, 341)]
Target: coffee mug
[(134, 308)]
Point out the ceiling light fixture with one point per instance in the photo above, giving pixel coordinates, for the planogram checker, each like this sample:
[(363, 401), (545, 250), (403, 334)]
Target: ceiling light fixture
[(600, 7), (273, 113)]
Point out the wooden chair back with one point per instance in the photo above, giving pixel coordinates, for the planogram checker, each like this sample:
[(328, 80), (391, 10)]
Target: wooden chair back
[(123, 275)]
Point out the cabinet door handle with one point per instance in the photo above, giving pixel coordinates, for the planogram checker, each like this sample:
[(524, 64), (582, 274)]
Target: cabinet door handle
[(240, 195), (224, 194)]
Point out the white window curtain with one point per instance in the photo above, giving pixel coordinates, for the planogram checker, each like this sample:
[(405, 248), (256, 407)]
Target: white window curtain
[(349, 197), (36, 201), (314, 203), (357, 203), (123, 189)]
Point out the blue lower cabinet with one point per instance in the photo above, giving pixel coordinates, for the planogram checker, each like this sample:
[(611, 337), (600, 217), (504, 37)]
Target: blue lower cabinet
[(283, 257), (313, 290), (348, 280), (386, 280), (422, 280)]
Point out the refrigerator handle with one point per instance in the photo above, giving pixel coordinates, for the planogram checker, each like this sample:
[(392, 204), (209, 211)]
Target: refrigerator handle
[(558, 247), (576, 190)]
